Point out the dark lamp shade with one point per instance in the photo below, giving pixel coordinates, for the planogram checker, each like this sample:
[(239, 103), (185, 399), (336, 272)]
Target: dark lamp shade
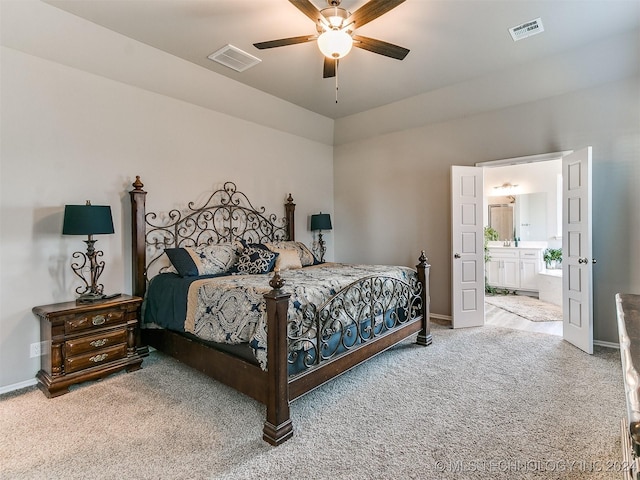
[(321, 221), (87, 220)]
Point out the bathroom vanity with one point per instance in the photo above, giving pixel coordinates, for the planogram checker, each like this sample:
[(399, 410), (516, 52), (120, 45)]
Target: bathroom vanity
[(514, 268)]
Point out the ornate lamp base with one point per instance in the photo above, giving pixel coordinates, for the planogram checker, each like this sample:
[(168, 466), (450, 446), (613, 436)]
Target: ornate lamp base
[(92, 290), (319, 247), (90, 298)]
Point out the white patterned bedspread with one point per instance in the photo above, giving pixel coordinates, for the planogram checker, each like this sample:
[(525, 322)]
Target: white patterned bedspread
[(232, 309)]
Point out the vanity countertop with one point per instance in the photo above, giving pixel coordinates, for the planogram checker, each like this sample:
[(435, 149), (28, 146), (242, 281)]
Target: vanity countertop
[(521, 245)]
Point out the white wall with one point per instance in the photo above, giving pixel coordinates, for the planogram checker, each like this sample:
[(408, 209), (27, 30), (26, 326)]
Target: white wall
[(392, 192), (68, 136)]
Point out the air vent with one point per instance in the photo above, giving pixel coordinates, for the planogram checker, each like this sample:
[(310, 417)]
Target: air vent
[(234, 58), (527, 29)]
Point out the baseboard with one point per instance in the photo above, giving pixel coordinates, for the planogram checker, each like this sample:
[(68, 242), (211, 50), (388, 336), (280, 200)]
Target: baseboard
[(440, 319), (18, 386), (600, 343)]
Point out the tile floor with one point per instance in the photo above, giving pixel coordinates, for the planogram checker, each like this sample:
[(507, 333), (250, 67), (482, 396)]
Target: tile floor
[(501, 318)]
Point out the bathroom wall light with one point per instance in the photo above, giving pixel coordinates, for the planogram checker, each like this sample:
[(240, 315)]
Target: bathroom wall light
[(505, 189)]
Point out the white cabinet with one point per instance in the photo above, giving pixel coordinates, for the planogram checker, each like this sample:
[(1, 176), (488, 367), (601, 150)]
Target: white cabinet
[(530, 265), (492, 271), (514, 268)]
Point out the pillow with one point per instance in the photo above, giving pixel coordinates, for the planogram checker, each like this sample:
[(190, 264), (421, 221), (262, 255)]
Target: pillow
[(246, 244), (203, 260), (306, 257), (255, 260), (287, 259)]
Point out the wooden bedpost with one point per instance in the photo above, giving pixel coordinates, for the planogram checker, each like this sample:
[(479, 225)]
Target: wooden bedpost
[(290, 209), (138, 231), (278, 427), (424, 337)]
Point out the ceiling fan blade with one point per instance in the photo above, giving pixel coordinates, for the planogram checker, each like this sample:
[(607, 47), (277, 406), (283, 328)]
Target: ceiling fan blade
[(282, 42), (329, 69), (380, 47), (310, 10), (370, 11)]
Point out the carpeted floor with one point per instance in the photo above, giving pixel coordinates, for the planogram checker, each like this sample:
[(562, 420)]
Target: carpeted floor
[(527, 307), (481, 403)]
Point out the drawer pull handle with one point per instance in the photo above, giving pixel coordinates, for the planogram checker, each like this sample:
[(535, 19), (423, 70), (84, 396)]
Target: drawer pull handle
[(99, 358), (98, 343), (98, 320)]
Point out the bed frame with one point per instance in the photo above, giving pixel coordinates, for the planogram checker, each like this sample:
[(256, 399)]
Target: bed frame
[(225, 216)]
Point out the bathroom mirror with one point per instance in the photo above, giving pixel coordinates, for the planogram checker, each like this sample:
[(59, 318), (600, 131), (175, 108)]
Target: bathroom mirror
[(531, 217), (527, 215)]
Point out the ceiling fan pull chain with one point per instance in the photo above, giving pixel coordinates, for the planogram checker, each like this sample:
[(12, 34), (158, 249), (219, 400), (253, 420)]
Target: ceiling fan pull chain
[(337, 62)]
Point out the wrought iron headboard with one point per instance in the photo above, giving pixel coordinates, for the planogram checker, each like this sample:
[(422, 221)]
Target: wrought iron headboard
[(226, 215)]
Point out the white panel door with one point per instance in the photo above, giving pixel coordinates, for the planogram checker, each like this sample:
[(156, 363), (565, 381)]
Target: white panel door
[(577, 258), (467, 269)]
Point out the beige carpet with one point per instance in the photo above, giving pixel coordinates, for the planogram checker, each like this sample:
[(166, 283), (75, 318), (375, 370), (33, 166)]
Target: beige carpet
[(480, 403), (526, 307)]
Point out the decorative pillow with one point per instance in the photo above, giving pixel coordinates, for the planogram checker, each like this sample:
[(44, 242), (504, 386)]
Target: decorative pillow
[(256, 260), (306, 257), (261, 246), (287, 259), (203, 260)]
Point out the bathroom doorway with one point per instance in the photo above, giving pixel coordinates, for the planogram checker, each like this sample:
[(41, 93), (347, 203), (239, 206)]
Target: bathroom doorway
[(468, 262), (523, 206)]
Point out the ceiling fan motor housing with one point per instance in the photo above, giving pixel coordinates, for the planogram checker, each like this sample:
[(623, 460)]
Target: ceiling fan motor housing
[(335, 17)]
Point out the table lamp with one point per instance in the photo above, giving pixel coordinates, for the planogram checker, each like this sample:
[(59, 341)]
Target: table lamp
[(321, 221), (88, 220)]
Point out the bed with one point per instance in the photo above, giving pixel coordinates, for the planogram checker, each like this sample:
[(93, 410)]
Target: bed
[(271, 328)]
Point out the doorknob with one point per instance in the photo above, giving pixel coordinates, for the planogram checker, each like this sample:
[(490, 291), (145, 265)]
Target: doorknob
[(457, 255), (583, 260), (594, 261)]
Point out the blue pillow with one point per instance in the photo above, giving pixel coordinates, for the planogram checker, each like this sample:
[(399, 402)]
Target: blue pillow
[(203, 260), (255, 260)]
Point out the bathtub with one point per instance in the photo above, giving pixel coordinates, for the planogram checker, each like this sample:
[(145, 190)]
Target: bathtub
[(550, 286)]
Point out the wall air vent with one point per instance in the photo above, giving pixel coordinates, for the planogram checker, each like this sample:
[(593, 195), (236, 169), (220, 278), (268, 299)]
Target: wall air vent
[(234, 58), (526, 29)]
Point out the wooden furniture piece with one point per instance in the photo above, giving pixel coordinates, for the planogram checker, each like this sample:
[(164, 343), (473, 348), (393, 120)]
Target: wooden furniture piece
[(628, 315), (273, 387), (87, 341)]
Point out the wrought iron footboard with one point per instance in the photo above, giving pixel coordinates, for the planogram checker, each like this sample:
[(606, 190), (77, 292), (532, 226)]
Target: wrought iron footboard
[(359, 313)]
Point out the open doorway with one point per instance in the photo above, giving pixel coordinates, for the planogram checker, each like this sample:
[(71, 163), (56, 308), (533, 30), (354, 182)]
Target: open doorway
[(467, 239), (523, 215)]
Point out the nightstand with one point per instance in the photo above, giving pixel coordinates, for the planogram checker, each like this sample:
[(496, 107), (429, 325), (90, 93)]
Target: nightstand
[(87, 342)]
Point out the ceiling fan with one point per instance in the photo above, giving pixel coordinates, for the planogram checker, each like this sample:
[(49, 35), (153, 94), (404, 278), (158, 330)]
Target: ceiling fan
[(336, 27)]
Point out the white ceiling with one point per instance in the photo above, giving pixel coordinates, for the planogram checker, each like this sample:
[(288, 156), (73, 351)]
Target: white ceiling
[(451, 42)]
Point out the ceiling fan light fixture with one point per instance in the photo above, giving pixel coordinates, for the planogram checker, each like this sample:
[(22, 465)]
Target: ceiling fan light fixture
[(335, 21), (335, 43)]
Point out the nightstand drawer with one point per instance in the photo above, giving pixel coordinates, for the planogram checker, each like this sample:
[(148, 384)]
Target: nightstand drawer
[(97, 357), (103, 318), (96, 342)]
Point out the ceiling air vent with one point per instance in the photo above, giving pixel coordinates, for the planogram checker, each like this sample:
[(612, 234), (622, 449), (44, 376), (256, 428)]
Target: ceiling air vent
[(526, 29), (234, 58)]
